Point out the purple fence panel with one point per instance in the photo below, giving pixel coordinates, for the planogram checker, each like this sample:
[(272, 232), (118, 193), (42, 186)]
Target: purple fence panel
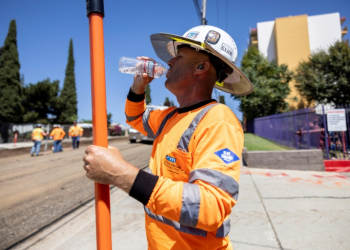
[(305, 129)]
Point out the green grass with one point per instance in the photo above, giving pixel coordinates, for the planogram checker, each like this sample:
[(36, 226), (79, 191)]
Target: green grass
[(257, 143)]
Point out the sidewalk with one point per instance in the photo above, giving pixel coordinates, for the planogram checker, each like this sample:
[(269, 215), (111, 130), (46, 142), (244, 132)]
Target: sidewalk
[(9, 149), (30, 143), (276, 209), (18, 145)]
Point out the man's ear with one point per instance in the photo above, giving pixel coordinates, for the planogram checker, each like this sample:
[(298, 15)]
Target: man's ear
[(202, 67)]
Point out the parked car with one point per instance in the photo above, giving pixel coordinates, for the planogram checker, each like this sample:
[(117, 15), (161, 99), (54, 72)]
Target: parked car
[(135, 135)]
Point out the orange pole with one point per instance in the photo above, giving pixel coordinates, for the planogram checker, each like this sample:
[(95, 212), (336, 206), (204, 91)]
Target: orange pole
[(99, 120)]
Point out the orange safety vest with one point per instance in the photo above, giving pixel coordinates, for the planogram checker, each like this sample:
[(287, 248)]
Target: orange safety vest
[(196, 154), (76, 131), (37, 134), (57, 134)]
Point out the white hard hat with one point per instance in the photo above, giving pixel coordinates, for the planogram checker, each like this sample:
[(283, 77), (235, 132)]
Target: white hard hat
[(211, 40)]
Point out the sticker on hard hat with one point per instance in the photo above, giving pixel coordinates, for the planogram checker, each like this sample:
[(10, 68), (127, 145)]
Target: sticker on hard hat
[(227, 155), (212, 37), (192, 35), (227, 49)]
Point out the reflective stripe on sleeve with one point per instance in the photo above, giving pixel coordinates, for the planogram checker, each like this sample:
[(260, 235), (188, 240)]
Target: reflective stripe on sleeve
[(217, 179), (190, 205), (224, 229), (145, 119), (132, 118), (177, 226)]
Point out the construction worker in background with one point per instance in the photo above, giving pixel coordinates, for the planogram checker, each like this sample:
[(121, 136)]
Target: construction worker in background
[(75, 132), (57, 134), (192, 184), (37, 136)]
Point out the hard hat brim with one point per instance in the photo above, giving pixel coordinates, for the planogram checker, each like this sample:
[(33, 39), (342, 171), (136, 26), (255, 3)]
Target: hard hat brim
[(236, 83)]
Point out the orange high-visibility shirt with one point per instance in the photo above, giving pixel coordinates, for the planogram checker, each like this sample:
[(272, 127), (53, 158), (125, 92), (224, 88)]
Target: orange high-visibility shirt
[(57, 134), (194, 173), (37, 134), (76, 131)]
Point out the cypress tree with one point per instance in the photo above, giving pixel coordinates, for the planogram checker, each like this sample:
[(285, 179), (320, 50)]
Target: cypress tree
[(68, 97), (166, 102), (222, 99), (11, 109), (148, 94)]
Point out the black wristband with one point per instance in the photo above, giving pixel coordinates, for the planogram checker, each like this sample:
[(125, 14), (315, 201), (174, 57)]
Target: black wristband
[(143, 186), (135, 97)]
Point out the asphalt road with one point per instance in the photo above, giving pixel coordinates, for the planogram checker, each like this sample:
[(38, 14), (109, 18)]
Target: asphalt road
[(36, 191)]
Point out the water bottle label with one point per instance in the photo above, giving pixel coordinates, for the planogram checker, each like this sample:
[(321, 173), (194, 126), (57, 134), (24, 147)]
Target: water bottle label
[(149, 68)]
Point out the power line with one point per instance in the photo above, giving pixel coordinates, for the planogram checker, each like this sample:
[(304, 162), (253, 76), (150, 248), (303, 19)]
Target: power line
[(226, 14), (217, 12), (198, 9)]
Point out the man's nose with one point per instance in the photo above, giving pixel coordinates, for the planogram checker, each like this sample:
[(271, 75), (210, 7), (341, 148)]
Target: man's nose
[(171, 62)]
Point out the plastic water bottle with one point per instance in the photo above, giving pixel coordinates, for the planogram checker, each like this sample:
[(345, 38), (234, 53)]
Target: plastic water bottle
[(138, 66)]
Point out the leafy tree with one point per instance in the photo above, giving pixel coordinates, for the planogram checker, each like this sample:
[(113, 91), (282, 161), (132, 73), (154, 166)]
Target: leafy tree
[(148, 95), (85, 121), (41, 100), (109, 119), (68, 97), (167, 102), (270, 85), (325, 78), (11, 109), (172, 104), (222, 99)]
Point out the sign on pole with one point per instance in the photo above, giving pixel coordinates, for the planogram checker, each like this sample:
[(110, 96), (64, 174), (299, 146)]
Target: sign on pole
[(336, 120)]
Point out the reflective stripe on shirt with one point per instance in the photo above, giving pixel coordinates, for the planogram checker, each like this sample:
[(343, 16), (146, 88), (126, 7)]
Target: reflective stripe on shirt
[(217, 179), (187, 135)]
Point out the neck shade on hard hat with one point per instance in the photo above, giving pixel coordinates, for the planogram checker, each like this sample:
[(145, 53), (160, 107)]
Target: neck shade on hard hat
[(213, 41)]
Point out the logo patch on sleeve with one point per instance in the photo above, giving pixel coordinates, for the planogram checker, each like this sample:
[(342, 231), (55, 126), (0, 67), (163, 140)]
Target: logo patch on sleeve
[(227, 155)]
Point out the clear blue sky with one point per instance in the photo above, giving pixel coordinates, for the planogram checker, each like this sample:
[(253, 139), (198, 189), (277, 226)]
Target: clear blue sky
[(44, 29)]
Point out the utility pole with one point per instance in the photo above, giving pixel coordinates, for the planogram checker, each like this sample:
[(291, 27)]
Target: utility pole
[(201, 12), (204, 10)]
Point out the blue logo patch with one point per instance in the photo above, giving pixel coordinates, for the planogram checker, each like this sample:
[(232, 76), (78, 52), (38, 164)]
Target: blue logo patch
[(171, 159), (227, 155)]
